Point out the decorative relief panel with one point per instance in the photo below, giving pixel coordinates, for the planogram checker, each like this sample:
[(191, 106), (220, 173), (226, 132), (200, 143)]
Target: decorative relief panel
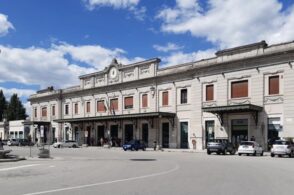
[(145, 70), (87, 81), (129, 73), (239, 101), (273, 99), (100, 79), (209, 104)]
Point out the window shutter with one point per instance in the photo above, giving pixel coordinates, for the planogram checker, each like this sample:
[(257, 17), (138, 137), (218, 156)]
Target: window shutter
[(114, 104), (44, 112), (209, 92), (88, 106), (274, 85), (165, 98), (144, 100), (239, 89), (100, 106), (128, 102)]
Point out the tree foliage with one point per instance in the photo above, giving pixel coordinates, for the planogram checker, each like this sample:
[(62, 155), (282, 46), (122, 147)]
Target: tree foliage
[(3, 105), (15, 110)]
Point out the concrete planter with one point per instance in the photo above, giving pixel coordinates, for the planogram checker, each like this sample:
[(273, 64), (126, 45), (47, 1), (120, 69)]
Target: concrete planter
[(44, 153)]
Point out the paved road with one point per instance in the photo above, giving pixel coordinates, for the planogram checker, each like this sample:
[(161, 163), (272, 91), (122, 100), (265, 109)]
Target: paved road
[(101, 171)]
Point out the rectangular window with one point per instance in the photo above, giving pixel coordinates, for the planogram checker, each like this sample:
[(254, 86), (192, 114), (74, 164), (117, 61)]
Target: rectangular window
[(165, 98), (209, 92), (76, 108), (113, 104), (239, 89), (53, 110), (145, 100), (66, 110), (36, 112), (129, 101), (184, 94), (274, 85), (101, 106), (88, 108), (44, 112)]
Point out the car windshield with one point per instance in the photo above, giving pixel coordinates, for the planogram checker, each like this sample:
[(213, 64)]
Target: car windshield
[(247, 143), (281, 142)]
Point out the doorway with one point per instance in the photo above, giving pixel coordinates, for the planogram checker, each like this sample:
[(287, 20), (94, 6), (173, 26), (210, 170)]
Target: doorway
[(165, 135), (100, 134), (209, 131), (239, 131), (184, 135), (128, 132), (145, 133)]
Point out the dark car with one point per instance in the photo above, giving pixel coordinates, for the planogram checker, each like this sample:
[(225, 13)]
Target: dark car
[(134, 145), (220, 146), (25, 142), (4, 141)]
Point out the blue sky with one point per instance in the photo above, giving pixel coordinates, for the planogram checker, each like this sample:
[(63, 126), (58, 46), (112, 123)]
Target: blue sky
[(52, 42)]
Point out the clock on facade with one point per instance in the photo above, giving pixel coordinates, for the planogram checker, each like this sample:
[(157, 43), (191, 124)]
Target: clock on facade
[(113, 73)]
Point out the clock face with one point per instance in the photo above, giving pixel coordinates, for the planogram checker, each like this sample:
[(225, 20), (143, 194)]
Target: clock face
[(113, 73)]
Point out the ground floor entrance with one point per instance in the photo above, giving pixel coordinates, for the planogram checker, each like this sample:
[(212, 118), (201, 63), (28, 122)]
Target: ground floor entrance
[(165, 135), (129, 132), (239, 129)]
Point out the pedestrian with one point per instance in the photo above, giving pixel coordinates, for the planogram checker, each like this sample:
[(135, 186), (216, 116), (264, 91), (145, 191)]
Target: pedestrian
[(1, 144), (154, 145), (252, 138), (101, 141)]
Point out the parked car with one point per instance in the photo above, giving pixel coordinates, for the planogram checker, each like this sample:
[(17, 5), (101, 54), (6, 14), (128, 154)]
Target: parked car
[(220, 146), (66, 144), (13, 142), (250, 147), (4, 142), (282, 147), (134, 145)]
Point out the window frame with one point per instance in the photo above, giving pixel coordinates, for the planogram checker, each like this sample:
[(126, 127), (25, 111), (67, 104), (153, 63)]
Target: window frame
[(186, 96), (66, 109), (142, 98), (44, 111), (88, 107), (126, 107), (239, 81), (213, 94), (163, 99), (269, 85), (110, 104), (104, 107), (76, 108)]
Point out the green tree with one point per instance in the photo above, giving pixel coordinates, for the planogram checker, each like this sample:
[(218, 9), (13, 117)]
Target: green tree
[(15, 109), (3, 105)]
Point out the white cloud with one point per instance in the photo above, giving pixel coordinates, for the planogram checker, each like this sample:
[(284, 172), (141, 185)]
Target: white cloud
[(117, 4), (8, 92), (180, 57), (232, 22), (168, 47), (5, 25), (57, 65), (130, 5)]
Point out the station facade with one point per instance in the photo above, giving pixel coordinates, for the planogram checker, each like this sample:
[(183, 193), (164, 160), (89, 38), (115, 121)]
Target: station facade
[(242, 92)]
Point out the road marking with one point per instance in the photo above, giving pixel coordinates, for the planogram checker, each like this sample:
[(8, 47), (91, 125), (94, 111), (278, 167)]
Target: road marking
[(18, 167), (106, 182)]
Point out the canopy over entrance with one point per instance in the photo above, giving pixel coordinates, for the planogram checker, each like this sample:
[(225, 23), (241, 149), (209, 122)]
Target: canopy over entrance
[(219, 111)]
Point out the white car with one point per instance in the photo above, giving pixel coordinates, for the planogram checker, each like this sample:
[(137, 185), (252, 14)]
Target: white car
[(282, 147), (66, 144), (250, 147)]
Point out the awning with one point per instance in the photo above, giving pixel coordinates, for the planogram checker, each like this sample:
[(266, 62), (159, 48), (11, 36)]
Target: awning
[(220, 110), (147, 115), (36, 123)]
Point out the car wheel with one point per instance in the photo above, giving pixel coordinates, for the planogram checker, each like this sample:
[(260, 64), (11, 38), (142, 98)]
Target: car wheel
[(59, 146), (247, 154), (239, 154), (261, 154), (208, 152), (125, 149), (254, 154), (74, 146), (272, 155), (279, 155)]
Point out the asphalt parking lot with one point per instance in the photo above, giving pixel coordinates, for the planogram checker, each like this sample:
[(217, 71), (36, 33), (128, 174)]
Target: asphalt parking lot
[(113, 171)]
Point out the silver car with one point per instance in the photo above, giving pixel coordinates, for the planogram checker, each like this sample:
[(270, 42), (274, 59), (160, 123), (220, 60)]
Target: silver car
[(66, 144), (282, 148)]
